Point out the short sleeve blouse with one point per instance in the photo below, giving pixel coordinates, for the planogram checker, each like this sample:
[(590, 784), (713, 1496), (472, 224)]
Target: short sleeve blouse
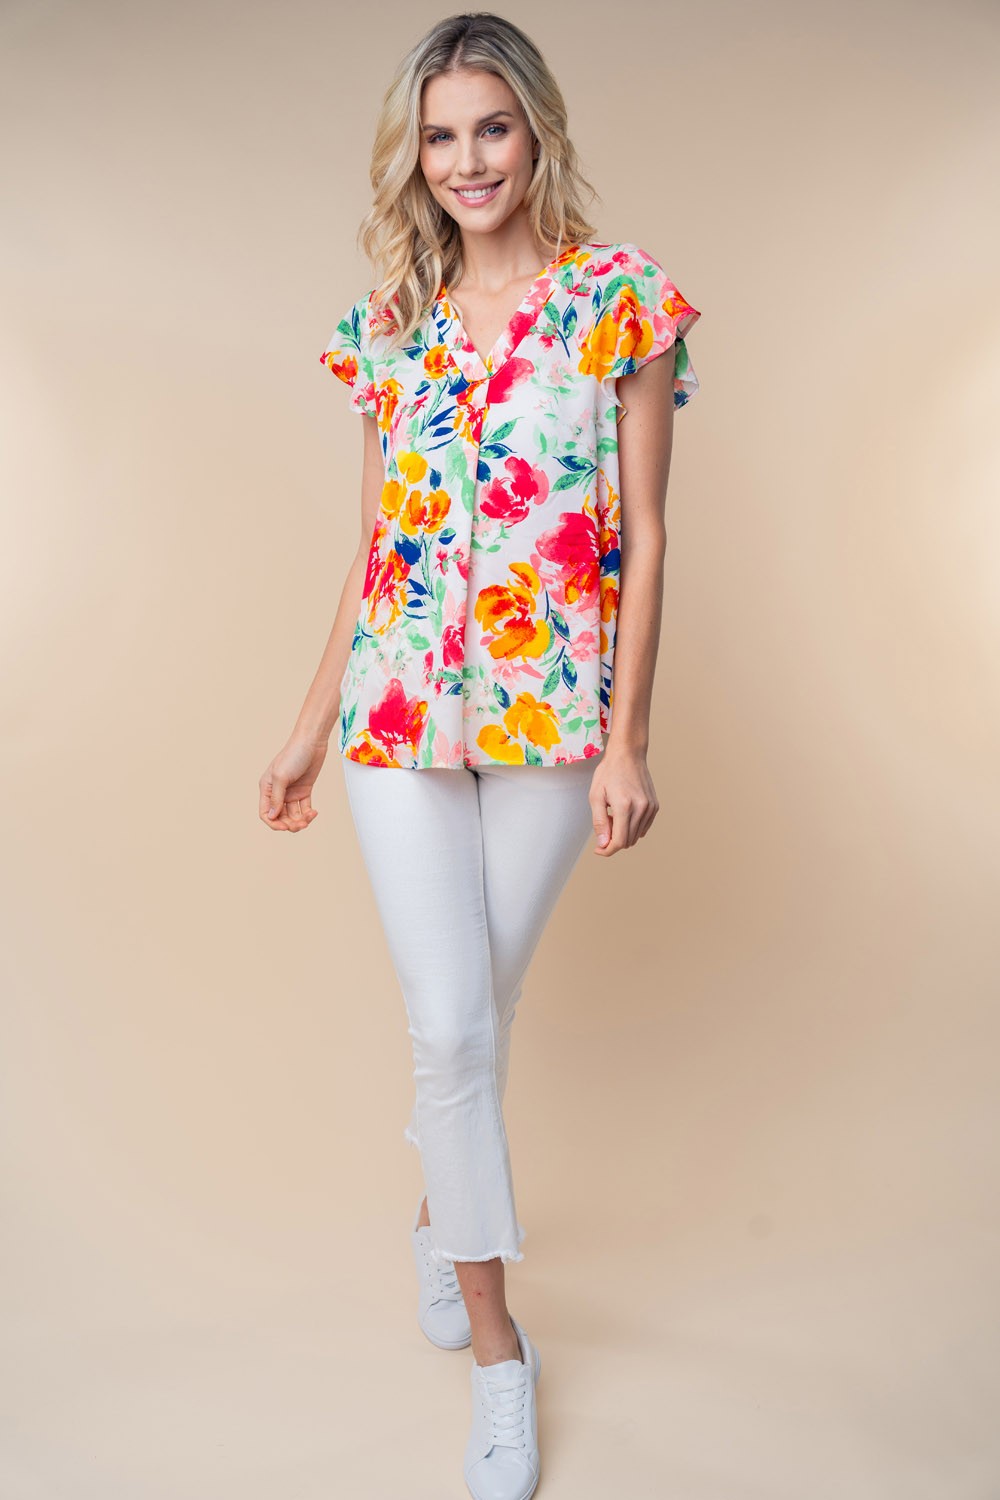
[(486, 625)]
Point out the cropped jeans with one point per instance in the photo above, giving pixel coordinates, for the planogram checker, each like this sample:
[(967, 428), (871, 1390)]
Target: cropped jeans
[(466, 866)]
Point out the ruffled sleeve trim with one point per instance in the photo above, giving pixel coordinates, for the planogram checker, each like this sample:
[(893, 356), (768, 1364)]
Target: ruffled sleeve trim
[(645, 316), (348, 355)]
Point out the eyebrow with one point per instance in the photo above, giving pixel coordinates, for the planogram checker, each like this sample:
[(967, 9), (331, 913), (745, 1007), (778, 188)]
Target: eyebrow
[(496, 115)]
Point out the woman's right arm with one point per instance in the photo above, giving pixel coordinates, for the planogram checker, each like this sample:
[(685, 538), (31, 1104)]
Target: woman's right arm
[(286, 785)]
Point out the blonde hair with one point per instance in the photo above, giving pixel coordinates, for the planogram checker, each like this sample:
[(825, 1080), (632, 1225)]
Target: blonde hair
[(406, 234)]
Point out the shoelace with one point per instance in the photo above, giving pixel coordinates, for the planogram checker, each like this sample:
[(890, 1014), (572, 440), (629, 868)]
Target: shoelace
[(506, 1401), (447, 1287), (443, 1278)]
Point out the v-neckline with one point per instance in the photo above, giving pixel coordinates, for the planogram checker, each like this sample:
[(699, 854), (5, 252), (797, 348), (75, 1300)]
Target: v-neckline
[(467, 356)]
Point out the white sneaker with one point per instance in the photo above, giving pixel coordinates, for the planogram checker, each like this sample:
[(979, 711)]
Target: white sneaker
[(441, 1309), (501, 1455)]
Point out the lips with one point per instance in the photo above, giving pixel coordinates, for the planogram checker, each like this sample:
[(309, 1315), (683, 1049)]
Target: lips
[(477, 193)]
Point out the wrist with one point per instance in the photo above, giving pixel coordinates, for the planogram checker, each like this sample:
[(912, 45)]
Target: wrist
[(312, 733), (627, 740)]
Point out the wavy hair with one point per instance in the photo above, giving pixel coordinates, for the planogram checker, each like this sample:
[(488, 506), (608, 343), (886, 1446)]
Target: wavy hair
[(406, 234)]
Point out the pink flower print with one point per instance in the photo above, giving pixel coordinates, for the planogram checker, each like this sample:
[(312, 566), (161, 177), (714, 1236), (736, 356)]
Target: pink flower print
[(527, 485)]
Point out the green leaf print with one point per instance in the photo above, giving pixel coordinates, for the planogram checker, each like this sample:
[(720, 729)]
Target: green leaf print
[(456, 473), (427, 753)]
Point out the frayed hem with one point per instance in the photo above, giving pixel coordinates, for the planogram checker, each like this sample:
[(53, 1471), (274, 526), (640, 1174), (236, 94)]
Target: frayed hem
[(504, 1255), (409, 1136)]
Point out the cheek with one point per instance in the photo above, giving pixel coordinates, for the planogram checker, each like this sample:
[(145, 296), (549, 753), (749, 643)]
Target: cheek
[(512, 158), (434, 169)]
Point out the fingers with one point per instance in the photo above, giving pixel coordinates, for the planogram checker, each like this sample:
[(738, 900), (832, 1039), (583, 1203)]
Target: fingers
[(278, 810), (602, 824), (272, 797), (302, 813), (621, 819)]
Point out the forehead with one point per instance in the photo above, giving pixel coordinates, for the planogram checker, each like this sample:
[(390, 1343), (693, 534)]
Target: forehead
[(465, 97)]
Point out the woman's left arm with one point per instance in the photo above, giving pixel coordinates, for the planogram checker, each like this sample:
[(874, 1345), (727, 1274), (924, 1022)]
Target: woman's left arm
[(622, 794)]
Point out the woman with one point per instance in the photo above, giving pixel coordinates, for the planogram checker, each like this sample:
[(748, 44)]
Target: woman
[(480, 620)]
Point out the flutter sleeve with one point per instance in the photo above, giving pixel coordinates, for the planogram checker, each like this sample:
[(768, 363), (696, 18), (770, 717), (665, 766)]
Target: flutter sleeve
[(348, 355), (643, 315)]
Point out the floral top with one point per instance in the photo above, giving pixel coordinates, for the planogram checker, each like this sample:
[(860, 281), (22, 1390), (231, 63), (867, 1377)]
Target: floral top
[(486, 627)]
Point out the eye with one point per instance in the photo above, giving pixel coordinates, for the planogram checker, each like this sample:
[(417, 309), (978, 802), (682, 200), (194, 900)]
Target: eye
[(441, 134)]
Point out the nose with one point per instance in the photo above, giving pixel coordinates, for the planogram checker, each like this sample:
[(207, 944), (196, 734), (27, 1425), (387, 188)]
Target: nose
[(470, 159)]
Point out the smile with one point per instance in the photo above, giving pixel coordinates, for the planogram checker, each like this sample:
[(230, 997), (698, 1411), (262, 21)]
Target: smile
[(478, 195)]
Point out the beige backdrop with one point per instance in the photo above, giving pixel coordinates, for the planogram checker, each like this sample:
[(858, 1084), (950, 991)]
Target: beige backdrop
[(755, 1138)]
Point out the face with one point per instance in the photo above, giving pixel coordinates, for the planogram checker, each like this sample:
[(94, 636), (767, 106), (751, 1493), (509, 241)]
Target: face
[(474, 135)]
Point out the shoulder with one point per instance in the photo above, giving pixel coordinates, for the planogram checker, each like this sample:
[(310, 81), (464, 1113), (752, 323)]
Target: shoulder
[(365, 321), (620, 273), (622, 260), (621, 254)]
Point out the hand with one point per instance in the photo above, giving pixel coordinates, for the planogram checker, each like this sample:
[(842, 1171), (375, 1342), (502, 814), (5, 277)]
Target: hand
[(623, 799), (287, 785)]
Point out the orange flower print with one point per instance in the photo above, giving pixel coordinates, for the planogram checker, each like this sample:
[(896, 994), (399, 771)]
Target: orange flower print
[(533, 719), (599, 350), (505, 610), (388, 588), (393, 491), (468, 416), (620, 333), (527, 716), (368, 753), (499, 746), (386, 401), (345, 369), (424, 513), (436, 361), (609, 610), (636, 332)]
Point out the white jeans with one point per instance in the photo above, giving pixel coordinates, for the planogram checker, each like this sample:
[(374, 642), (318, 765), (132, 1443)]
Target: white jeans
[(466, 867)]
